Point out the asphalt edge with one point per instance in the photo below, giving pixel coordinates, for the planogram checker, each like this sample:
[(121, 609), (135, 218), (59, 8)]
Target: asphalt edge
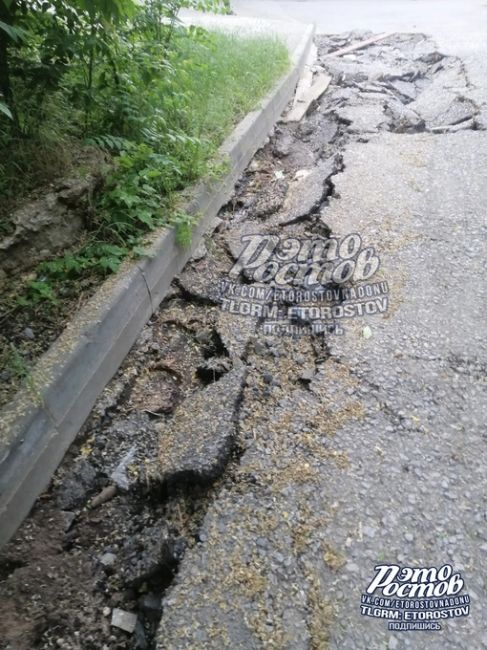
[(43, 418)]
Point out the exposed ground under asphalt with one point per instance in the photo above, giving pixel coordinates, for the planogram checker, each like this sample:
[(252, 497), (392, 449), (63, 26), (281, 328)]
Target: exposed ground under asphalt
[(244, 484)]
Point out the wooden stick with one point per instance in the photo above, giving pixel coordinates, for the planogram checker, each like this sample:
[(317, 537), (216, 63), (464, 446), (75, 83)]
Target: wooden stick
[(314, 92), (306, 79), (360, 44)]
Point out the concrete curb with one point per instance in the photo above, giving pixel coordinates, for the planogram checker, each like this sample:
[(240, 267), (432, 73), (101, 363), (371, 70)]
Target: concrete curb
[(39, 425)]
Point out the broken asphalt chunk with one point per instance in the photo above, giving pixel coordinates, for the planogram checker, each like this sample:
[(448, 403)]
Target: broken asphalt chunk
[(199, 281), (307, 193), (150, 553), (196, 444), (235, 332), (403, 119)]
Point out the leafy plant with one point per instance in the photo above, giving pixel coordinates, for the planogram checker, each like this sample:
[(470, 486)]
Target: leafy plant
[(16, 363), (36, 292), (157, 97), (19, 370), (183, 224)]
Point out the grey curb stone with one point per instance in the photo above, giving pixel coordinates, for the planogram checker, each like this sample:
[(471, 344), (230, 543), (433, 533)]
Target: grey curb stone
[(40, 423)]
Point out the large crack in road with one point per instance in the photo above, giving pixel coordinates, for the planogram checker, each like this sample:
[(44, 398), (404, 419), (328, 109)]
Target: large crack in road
[(244, 483)]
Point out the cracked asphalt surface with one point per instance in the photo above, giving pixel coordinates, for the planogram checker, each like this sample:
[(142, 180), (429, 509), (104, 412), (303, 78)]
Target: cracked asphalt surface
[(379, 458), (245, 484)]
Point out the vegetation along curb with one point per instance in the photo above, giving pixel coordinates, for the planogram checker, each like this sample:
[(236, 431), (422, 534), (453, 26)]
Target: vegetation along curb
[(40, 423)]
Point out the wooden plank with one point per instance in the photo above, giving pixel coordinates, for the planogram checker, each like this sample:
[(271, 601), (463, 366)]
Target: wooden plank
[(360, 44), (306, 79), (314, 92)]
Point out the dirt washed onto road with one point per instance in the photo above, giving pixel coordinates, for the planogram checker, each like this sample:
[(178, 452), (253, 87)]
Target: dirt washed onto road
[(260, 451)]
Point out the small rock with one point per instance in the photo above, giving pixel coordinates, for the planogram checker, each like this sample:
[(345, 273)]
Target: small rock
[(307, 375), (73, 488), (68, 519), (119, 474), (366, 332), (409, 537), (108, 559), (124, 620), (200, 251), (283, 146), (140, 640), (106, 612), (28, 334)]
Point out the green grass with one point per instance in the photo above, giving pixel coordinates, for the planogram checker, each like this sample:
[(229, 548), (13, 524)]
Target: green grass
[(237, 73)]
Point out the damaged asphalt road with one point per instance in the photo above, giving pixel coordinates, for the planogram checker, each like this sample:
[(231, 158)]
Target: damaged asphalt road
[(245, 484)]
